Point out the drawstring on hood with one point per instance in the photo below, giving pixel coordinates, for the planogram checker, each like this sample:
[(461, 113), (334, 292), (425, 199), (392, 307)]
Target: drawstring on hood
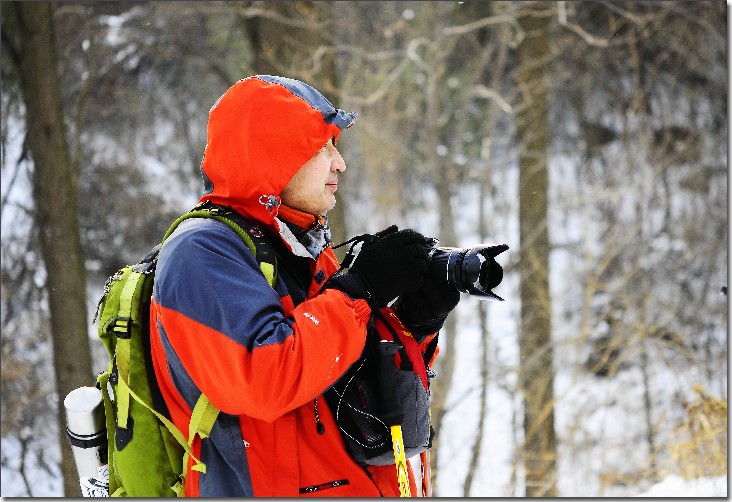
[(260, 132)]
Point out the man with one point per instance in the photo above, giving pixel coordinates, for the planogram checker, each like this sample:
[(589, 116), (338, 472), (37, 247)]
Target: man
[(264, 356)]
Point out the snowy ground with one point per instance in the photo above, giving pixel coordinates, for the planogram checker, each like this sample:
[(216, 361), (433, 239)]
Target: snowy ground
[(674, 486)]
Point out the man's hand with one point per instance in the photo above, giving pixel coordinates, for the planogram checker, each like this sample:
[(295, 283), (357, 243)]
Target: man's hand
[(424, 311), (392, 264)]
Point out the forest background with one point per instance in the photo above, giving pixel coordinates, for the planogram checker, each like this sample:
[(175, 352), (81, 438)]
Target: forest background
[(591, 137)]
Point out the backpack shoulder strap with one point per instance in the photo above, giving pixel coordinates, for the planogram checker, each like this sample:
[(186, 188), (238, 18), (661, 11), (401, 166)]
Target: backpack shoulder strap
[(252, 236), (204, 413)]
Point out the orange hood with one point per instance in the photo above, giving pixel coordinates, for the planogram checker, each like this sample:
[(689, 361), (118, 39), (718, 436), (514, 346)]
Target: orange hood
[(260, 132)]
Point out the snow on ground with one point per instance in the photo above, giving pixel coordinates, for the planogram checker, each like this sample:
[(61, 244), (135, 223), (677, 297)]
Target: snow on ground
[(675, 486)]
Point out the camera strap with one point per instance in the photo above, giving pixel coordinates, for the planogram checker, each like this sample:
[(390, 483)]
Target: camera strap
[(365, 239), (353, 241)]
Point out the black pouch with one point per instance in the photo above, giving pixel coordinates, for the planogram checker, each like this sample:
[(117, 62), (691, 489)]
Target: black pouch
[(388, 383)]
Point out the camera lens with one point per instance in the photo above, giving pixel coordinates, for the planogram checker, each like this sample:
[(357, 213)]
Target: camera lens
[(471, 270)]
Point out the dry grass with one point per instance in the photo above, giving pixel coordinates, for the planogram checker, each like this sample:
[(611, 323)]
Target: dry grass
[(701, 447)]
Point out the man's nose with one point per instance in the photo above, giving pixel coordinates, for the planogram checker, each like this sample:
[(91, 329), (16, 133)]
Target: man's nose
[(337, 163)]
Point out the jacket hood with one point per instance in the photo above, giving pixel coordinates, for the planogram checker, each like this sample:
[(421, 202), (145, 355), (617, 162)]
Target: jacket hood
[(260, 132)]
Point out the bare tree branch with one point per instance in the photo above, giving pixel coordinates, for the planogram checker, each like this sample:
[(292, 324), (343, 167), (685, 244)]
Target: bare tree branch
[(252, 12), (481, 91), (488, 21)]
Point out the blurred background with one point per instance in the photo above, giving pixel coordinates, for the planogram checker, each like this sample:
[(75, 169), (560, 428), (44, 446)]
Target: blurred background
[(591, 137)]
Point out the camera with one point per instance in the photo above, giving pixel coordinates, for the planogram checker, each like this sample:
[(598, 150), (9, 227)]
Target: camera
[(472, 270)]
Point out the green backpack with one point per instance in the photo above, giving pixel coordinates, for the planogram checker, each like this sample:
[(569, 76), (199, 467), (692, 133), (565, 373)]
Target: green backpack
[(147, 453)]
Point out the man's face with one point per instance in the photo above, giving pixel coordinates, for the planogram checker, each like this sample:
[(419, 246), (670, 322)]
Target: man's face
[(312, 188)]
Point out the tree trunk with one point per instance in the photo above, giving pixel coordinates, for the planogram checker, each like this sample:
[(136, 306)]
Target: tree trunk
[(535, 371), (56, 204), (444, 185), (477, 448)]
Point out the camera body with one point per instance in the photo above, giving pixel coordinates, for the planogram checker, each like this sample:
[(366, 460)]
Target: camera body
[(472, 270)]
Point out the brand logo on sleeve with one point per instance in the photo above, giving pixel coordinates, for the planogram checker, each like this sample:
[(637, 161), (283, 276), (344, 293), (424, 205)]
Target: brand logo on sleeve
[(311, 317)]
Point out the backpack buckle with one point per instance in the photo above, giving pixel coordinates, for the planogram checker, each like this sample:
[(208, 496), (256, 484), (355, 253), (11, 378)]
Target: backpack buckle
[(121, 326)]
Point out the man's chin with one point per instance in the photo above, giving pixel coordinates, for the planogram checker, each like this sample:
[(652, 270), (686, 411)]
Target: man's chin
[(330, 205)]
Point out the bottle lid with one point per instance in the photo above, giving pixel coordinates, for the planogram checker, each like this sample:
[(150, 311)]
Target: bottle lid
[(84, 411)]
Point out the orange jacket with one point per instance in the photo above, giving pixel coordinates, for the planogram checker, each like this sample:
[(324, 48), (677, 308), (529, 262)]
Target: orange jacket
[(218, 328)]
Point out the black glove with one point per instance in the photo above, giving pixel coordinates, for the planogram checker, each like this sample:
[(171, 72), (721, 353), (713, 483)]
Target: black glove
[(424, 311), (392, 263)]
